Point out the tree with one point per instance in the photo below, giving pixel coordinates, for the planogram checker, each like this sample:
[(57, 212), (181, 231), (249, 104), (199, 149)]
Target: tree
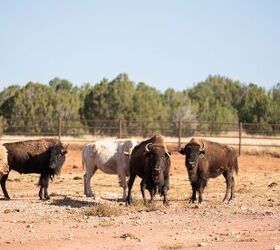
[(256, 107), (179, 107), (35, 108), (59, 84), (217, 99)]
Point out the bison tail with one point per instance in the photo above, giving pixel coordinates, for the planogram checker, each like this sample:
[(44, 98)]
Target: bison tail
[(236, 167), (83, 161)]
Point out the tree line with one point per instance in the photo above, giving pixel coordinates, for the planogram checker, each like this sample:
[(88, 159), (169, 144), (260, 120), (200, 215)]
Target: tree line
[(36, 106)]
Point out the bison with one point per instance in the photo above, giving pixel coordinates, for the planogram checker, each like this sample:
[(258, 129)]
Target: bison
[(4, 167), (206, 159), (43, 156), (150, 160), (109, 157)]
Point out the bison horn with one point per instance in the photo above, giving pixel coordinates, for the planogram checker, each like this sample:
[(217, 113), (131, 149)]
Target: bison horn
[(166, 151), (147, 146), (127, 153), (202, 147)]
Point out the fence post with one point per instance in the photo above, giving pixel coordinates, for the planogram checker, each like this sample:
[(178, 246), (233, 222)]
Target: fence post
[(120, 128), (240, 137), (179, 134), (59, 127)]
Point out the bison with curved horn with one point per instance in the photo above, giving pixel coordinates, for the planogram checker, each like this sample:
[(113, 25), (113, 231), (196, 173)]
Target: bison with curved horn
[(150, 160), (43, 156), (206, 159)]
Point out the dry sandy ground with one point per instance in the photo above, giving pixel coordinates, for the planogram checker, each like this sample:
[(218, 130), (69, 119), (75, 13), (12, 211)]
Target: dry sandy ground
[(71, 221)]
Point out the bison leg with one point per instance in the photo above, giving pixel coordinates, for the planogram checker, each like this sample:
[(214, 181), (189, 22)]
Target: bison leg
[(228, 176), (46, 195), (143, 187), (87, 177), (200, 194), (193, 197), (122, 179), (44, 183), (130, 184), (3, 186), (164, 191), (202, 184), (232, 195)]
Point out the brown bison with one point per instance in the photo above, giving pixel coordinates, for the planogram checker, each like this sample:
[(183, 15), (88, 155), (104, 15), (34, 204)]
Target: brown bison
[(150, 161), (44, 157), (206, 159), (4, 168)]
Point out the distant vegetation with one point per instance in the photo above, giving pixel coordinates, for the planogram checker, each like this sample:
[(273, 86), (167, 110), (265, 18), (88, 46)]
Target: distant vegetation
[(36, 106)]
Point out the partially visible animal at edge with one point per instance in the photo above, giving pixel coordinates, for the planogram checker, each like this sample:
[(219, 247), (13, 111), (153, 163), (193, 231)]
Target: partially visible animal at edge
[(42, 156), (4, 167), (150, 160), (109, 157), (205, 159)]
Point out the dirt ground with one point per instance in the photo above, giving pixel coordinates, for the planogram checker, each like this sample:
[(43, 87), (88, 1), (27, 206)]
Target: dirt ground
[(71, 221)]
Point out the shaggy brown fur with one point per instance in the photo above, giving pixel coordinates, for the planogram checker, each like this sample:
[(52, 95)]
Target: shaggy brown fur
[(151, 166), (4, 167), (206, 159)]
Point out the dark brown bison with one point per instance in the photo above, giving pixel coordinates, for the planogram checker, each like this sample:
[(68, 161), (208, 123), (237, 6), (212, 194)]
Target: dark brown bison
[(206, 159), (44, 157), (150, 161)]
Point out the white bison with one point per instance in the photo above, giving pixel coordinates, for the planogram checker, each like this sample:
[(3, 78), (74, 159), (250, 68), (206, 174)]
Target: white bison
[(109, 157)]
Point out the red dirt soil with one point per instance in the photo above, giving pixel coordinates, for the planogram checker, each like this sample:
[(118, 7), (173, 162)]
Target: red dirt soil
[(251, 221)]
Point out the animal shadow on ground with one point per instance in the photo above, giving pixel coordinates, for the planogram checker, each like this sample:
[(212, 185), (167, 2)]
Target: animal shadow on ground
[(68, 202), (119, 200)]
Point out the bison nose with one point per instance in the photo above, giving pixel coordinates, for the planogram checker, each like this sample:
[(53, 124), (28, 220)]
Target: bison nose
[(191, 164)]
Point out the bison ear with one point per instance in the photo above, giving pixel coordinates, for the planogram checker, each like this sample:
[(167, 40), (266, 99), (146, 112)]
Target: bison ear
[(182, 151), (146, 153)]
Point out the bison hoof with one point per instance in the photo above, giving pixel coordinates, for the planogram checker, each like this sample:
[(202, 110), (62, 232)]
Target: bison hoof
[(191, 200), (7, 198), (47, 197), (128, 201), (90, 195), (166, 203)]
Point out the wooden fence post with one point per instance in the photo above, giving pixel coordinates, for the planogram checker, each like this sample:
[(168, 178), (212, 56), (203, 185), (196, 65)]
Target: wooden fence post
[(240, 137), (179, 134), (120, 128), (59, 127)]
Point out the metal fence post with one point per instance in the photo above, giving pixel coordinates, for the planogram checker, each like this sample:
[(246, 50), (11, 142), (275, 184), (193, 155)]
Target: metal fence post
[(240, 137), (179, 134), (59, 127)]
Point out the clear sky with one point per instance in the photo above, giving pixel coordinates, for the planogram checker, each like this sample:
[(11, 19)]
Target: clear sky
[(164, 43)]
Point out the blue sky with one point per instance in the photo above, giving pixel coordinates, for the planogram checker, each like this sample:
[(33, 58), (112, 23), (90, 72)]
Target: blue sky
[(162, 43)]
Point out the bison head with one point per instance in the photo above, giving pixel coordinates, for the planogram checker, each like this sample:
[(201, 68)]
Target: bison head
[(158, 160), (193, 151), (57, 156)]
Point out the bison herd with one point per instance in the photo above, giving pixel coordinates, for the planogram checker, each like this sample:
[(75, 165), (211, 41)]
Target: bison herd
[(149, 160)]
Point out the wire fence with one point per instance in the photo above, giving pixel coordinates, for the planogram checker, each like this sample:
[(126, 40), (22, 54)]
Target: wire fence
[(176, 132)]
